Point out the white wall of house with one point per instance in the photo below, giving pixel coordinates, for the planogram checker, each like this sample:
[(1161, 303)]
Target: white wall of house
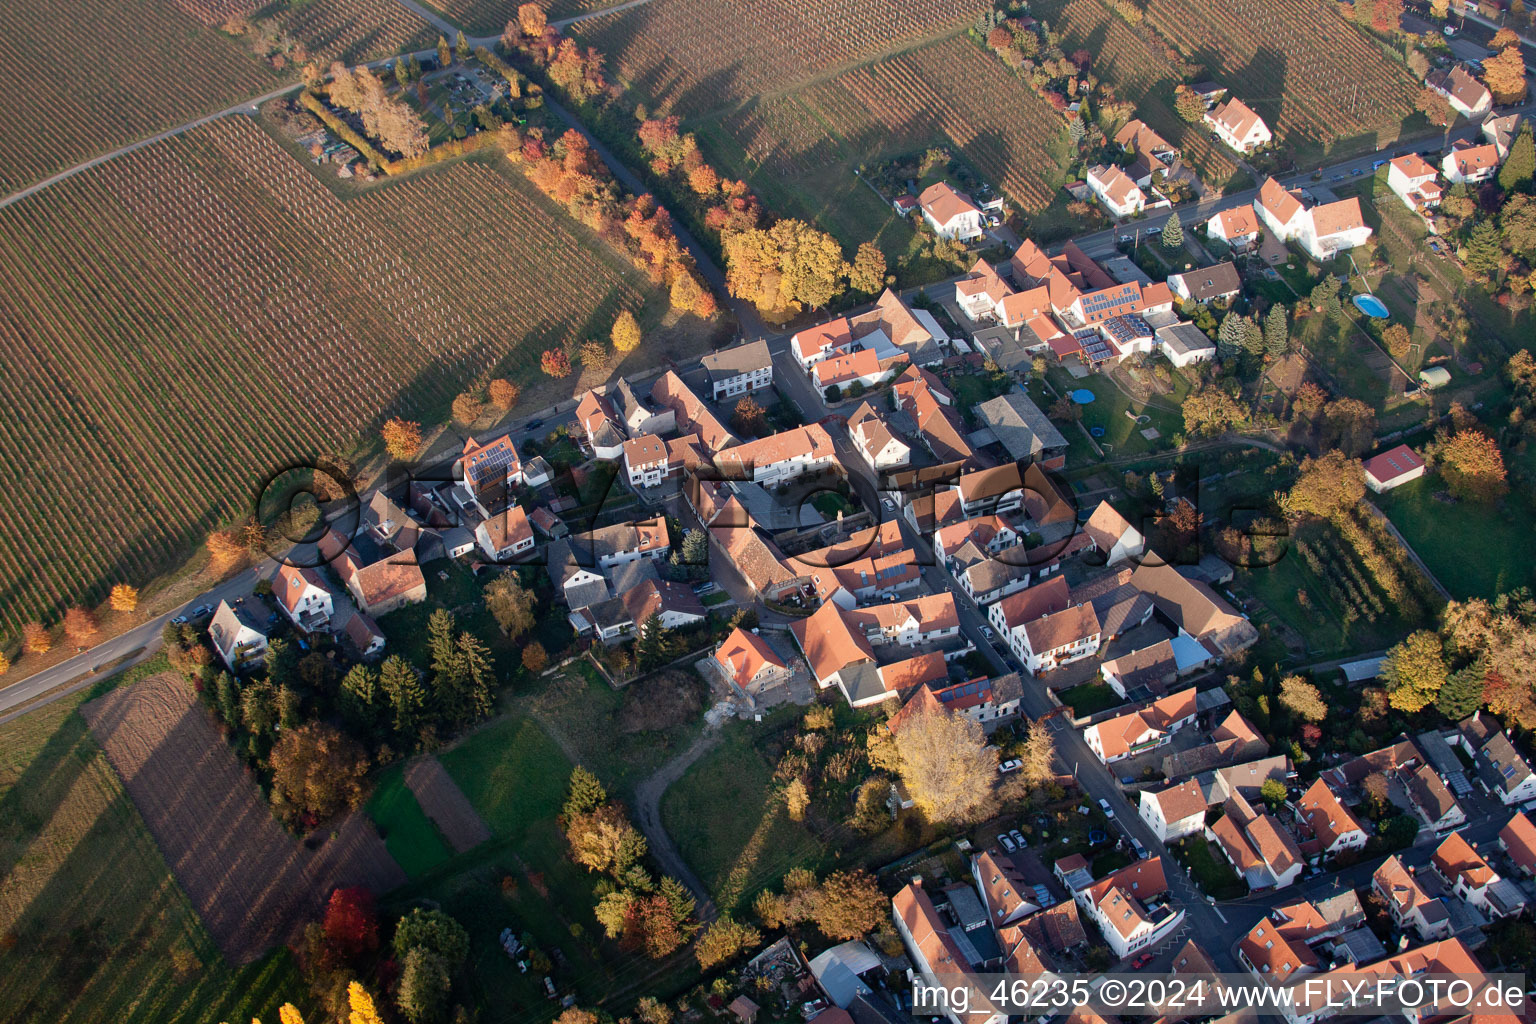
[(744, 383), (1056, 657), (1151, 811), (963, 226)]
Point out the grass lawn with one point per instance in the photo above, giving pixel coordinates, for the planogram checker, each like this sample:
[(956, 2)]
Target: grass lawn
[(101, 929), (729, 826), (1109, 408), (1113, 860), (1090, 698), (830, 503), (411, 837), (512, 772), (718, 597), (1210, 872), (971, 389), (515, 775), (1440, 532)]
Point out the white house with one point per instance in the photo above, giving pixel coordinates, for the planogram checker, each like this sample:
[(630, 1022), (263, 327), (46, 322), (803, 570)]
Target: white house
[(1175, 812), (1410, 906), (877, 445), (626, 542), (1010, 615), (740, 370), (937, 958), (1184, 343), (779, 457), (1432, 798), (303, 597), (951, 214), (1466, 872), (506, 536), (1219, 283), (1060, 638), (1413, 179), (1393, 468), (1466, 95), (1235, 123), (1152, 726), (604, 432), (1132, 907), (1121, 196), (646, 461), (1238, 227), (1113, 535), (1257, 846), (1329, 821), (1469, 163), (238, 638), (1501, 771), (1323, 231), (490, 469)]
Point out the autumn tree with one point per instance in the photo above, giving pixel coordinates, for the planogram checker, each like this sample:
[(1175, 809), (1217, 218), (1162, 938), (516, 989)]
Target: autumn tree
[(1472, 466), (1414, 671), (1212, 410), (503, 393), (534, 657), (796, 799), (1435, 107), (510, 605), (5, 663), (1326, 487), (225, 551), (35, 638), (947, 766), (848, 905), (467, 407), (351, 922), (626, 332), (1504, 75), (1188, 104), (124, 597), (317, 771), (1303, 699), (531, 19), (748, 417), (867, 275), (787, 265), (1398, 341), (402, 438), (360, 1006), (723, 940), (605, 841), (1387, 15), (556, 363), (1038, 755), (1349, 425), (80, 626)]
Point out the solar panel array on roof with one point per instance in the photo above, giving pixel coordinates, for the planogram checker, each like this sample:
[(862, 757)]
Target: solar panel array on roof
[(1105, 299), (490, 465), (1124, 329), (1097, 349)]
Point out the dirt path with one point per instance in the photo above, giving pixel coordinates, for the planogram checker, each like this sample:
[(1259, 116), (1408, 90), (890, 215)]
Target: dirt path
[(647, 810), (445, 803)]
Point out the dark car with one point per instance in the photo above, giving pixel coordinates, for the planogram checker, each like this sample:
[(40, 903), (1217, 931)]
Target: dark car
[(535, 424)]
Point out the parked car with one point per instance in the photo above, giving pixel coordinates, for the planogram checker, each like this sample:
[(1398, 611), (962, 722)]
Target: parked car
[(1141, 961), (1011, 765), (1337, 177), (1141, 851), (1104, 806), (703, 588), (1356, 173), (986, 631), (1125, 238), (1449, 30), (1154, 231), (1377, 165), (1006, 842), (890, 506), (202, 611), (180, 620), (535, 424), (1018, 837)]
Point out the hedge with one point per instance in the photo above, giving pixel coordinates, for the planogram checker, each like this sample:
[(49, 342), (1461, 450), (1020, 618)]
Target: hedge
[(344, 130)]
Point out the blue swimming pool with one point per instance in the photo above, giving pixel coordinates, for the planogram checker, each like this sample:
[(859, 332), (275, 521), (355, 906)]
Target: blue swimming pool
[(1082, 396), (1371, 306)]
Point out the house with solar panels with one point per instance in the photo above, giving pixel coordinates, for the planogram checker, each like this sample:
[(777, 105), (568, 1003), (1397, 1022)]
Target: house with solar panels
[(489, 473)]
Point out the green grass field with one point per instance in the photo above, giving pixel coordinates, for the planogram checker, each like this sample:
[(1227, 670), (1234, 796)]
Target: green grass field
[(512, 772), (1109, 409), (94, 925), (1209, 870), (1089, 698), (1442, 533), (729, 825), (408, 833)]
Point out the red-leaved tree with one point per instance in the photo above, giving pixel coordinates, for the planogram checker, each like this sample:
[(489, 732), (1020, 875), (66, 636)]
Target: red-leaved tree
[(556, 363), (351, 923)]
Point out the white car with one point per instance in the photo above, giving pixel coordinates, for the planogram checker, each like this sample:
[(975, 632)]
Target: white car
[(1018, 837), (1104, 806), (986, 631), (1010, 766), (1006, 842)]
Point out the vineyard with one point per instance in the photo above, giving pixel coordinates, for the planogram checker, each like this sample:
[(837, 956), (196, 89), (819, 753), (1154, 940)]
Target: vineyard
[(355, 30), (81, 77), (210, 288), (691, 56), (489, 17), (1319, 80)]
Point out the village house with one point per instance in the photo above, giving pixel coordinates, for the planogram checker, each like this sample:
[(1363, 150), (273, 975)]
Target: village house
[(984, 295), (988, 580), (600, 426), (1500, 769), (1333, 829), (990, 533), (1132, 907), (1152, 668), (938, 424), (1154, 154), (1150, 727), (864, 579), (1220, 283), (779, 458), (1236, 124), (490, 471), (1472, 878), (1120, 195), (645, 461), (1112, 535), (1393, 468), (383, 586), (839, 646), (1184, 343), (1279, 947), (1262, 852), (1413, 180), (639, 415), (674, 605), (389, 524), (1234, 745), (505, 537), (1060, 638), (1466, 95), (938, 959), (1175, 812), (1321, 231), (996, 490), (303, 597), (1011, 614), (739, 370), (578, 585), (875, 442), (1469, 163), (1518, 840), (1502, 131), (1409, 905), (625, 542), (1005, 895), (238, 639), (951, 214), (1194, 610), (756, 558), (1307, 1002), (1433, 801), (1238, 227), (362, 636), (689, 414), (749, 664)]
